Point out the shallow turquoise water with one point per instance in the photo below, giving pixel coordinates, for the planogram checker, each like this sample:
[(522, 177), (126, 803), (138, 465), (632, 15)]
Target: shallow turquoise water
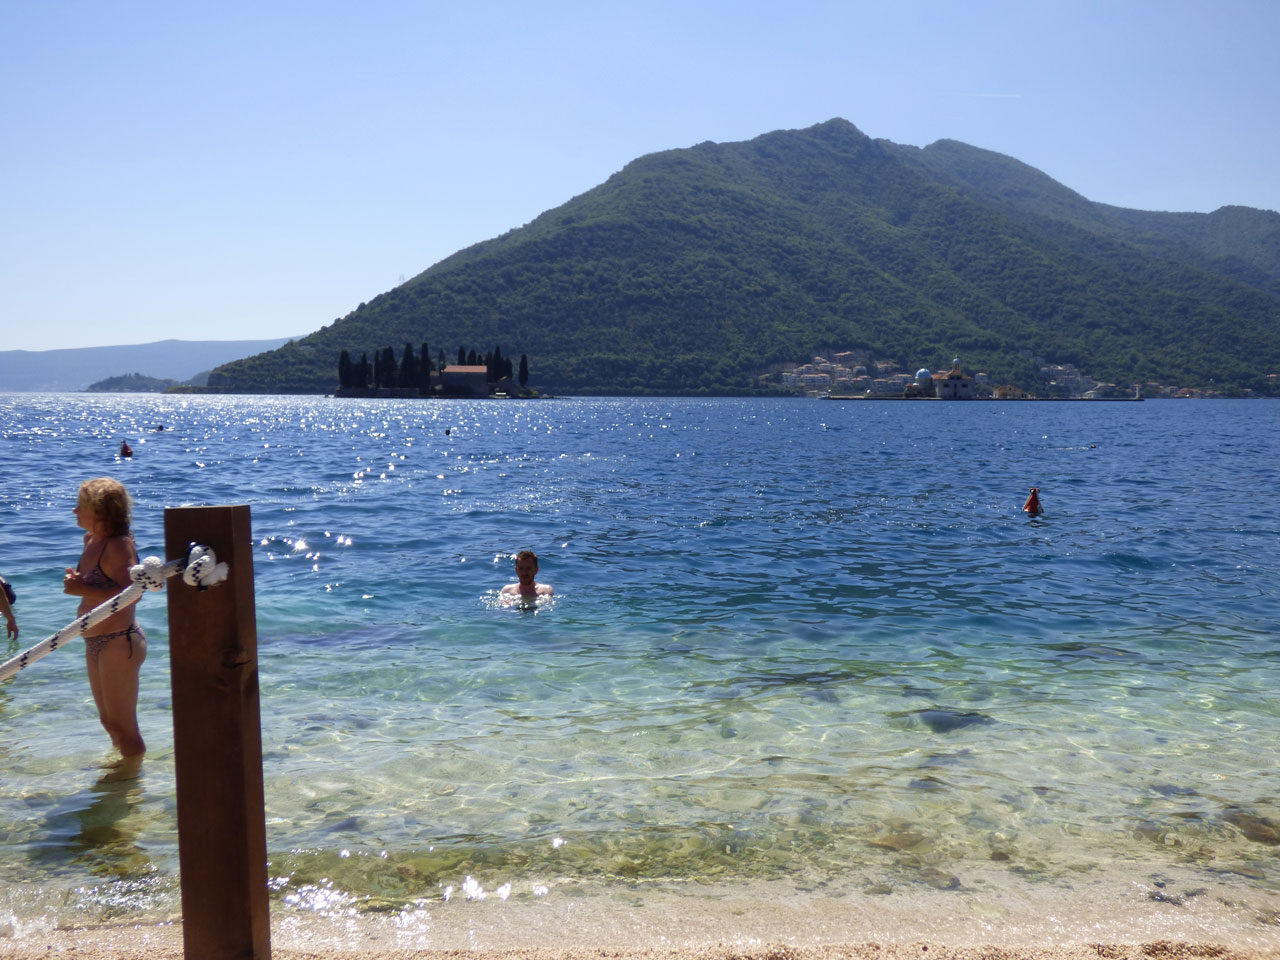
[(807, 641)]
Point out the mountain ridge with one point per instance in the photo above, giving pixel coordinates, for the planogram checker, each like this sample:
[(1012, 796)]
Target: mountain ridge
[(76, 368), (692, 270), (1200, 238)]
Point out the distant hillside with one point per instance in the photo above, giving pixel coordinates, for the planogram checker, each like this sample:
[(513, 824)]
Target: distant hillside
[(131, 383), (76, 368), (694, 270), (1239, 243)]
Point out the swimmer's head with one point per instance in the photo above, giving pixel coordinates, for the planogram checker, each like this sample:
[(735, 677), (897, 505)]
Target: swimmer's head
[(526, 566)]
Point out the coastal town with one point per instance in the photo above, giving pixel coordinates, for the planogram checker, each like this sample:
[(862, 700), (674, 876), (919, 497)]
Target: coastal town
[(854, 374)]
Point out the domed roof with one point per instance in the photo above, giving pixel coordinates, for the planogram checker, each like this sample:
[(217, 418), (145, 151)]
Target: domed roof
[(923, 374)]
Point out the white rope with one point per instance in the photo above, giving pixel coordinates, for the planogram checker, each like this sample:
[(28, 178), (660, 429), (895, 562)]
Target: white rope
[(200, 569)]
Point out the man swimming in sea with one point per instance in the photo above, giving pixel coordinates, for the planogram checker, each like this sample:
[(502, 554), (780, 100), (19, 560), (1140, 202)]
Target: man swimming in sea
[(526, 574)]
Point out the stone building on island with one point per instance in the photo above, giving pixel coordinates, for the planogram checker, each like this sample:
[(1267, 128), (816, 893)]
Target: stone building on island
[(955, 385)]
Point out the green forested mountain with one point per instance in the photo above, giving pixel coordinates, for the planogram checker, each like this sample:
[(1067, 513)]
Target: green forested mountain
[(694, 270), (1237, 242)]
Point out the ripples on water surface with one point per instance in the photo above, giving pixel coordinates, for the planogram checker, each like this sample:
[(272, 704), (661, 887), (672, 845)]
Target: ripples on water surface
[(791, 640)]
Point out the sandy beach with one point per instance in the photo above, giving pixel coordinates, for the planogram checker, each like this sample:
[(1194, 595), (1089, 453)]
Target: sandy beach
[(1157, 950), (746, 924)]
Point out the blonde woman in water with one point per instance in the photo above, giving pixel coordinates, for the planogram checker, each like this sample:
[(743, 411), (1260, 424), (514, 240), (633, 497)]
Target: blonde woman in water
[(115, 648)]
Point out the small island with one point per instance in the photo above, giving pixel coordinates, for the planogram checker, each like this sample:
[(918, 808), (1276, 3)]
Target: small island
[(416, 375), (132, 383)]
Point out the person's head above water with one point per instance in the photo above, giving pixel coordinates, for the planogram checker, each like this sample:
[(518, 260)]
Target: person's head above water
[(527, 574), (526, 567)]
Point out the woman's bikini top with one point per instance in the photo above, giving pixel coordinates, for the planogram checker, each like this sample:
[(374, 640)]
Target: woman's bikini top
[(98, 578)]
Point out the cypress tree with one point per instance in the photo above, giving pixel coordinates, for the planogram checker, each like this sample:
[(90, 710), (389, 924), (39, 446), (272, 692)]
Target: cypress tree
[(472, 360), (440, 360), (408, 367), (344, 369), (388, 367), (377, 369), (462, 356), (496, 365), (524, 370), (364, 373)]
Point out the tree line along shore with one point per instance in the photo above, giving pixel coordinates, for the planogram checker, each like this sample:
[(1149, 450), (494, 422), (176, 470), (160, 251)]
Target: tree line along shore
[(418, 374)]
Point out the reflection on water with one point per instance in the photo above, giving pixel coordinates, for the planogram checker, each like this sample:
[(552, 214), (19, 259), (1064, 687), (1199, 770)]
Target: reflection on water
[(494, 600), (100, 834), (106, 840)]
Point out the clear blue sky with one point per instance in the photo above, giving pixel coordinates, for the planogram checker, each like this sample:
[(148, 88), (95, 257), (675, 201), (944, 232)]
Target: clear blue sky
[(249, 170)]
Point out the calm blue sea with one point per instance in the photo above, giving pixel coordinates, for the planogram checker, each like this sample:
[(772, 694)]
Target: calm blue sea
[(803, 642)]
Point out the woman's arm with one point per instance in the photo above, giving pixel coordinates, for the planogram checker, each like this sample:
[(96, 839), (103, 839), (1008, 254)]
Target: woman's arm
[(117, 557), (11, 623)]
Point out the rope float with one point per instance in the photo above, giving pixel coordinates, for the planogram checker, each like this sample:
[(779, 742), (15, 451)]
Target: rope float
[(199, 569)]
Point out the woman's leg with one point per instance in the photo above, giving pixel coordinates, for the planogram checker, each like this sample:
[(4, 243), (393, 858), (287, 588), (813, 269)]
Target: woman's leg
[(91, 663), (118, 666)]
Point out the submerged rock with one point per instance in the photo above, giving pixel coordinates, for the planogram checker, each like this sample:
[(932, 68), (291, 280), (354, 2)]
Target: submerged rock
[(1255, 828), (903, 840), (945, 720), (927, 783), (949, 759), (345, 824), (1173, 790), (939, 879)]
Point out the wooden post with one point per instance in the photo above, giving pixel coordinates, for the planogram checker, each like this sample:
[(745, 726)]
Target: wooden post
[(217, 742)]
